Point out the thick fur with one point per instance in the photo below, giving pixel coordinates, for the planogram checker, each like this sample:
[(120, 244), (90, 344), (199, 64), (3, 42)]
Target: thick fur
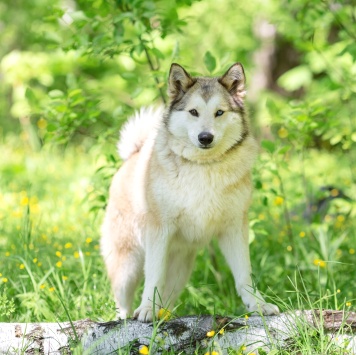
[(175, 192)]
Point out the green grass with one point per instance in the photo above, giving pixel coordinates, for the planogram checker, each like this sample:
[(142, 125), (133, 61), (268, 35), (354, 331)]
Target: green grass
[(51, 268)]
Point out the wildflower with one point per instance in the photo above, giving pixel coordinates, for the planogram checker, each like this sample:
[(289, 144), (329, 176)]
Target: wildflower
[(246, 316), (88, 240), (55, 229), (4, 279), (348, 304), (87, 253), (289, 248), (320, 263), (51, 289), (58, 253), (340, 218), (42, 286), (164, 314), (143, 350), (39, 264), (35, 260), (338, 291), (334, 192), (24, 201), (59, 264), (211, 353), (282, 133), (41, 123), (0, 274), (221, 331), (64, 278), (76, 255), (97, 247), (261, 217), (22, 266), (210, 334), (68, 245), (7, 253), (64, 258), (278, 200), (352, 251), (302, 234)]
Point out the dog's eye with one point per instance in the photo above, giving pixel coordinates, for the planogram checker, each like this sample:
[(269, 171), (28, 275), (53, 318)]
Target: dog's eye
[(194, 112), (219, 113)]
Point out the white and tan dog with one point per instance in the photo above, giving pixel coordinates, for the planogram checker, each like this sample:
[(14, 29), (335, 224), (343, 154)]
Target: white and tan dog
[(186, 179)]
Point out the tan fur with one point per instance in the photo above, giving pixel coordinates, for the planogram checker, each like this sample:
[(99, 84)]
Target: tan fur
[(175, 194)]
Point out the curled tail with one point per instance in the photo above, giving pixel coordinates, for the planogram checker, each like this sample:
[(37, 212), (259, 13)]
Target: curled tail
[(137, 129)]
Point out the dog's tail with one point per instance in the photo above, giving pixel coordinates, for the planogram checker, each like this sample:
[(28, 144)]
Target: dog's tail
[(137, 129)]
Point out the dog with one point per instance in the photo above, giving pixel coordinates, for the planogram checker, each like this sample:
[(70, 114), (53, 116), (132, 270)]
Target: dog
[(186, 178)]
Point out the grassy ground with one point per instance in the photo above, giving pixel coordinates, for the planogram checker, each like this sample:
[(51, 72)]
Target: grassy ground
[(50, 264)]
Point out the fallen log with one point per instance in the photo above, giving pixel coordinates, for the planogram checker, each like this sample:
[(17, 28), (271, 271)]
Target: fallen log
[(180, 335)]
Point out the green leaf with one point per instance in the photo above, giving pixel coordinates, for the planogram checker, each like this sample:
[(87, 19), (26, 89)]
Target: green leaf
[(268, 145), (30, 96), (209, 61), (296, 78)]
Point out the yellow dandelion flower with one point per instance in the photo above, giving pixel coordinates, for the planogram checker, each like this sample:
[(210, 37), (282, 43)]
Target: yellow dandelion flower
[(328, 218), (24, 201), (210, 334), (302, 234), (87, 253), (212, 353), (42, 286), (88, 240), (51, 289), (348, 304), (338, 291), (64, 278), (41, 123), (334, 192), (97, 247), (59, 264), (164, 314), (143, 350), (4, 279), (221, 331), (68, 245), (282, 133), (22, 266), (289, 248), (7, 253), (31, 246), (320, 263), (58, 253), (64, 258), (278, 200), (0, 274), (44, 237), (243, 348), (76, 254), (35, 260), (340, 218), (39, 264), (55, 229), (246, 316), (352, 251)]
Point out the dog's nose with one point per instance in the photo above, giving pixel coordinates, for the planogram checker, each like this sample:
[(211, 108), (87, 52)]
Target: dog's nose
[(205, 138)]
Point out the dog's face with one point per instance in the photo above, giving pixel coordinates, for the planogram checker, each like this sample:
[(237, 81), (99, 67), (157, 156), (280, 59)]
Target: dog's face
[(206, 117)]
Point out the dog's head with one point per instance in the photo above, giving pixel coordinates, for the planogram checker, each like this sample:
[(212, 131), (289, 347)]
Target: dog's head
[(206, 115)]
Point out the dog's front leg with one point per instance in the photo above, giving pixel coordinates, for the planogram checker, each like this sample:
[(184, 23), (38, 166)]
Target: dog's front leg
[(234, 245), (156, 251)]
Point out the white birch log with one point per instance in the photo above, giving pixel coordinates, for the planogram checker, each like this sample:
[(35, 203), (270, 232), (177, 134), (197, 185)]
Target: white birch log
[(177, 335)]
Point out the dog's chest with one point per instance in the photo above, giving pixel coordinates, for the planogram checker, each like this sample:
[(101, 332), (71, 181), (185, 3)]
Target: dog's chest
[(201, 202)]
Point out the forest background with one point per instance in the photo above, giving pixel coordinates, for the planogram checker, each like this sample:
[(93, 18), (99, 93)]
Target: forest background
[(72, 71)]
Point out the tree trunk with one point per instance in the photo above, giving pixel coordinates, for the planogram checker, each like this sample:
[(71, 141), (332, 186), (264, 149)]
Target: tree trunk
[(184, 334)]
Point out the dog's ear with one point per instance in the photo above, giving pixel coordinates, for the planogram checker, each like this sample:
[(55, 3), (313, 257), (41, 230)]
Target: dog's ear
[(234, 81), (179, 81)]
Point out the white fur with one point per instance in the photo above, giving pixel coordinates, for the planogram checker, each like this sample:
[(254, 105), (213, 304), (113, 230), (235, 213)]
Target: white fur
[(172, 198)]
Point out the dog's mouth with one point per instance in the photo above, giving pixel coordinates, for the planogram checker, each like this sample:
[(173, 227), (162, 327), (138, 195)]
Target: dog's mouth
[(205, 146)]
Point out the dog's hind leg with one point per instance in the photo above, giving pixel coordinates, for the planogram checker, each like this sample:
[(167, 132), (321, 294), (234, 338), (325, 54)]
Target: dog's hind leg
[(179, 268)]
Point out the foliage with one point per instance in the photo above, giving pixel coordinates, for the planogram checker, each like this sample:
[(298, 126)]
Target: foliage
[(72, 72)]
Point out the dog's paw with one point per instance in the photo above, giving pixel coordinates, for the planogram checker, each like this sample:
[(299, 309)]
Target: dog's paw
[(267, 309), (144, 314)]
